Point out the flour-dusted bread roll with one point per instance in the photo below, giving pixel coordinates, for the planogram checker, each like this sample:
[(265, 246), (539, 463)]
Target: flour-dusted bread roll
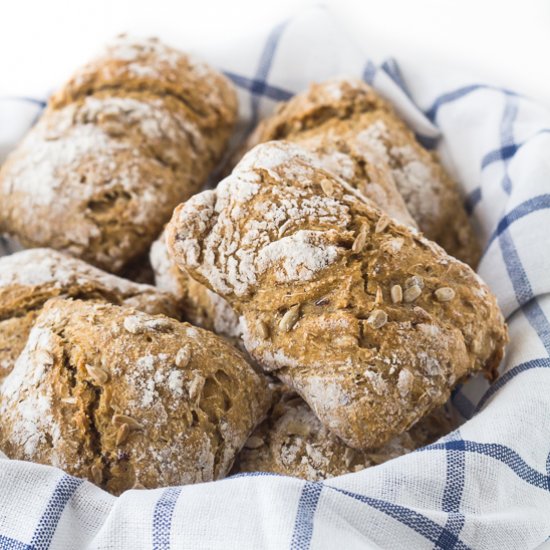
[(370, 322), (292, 442), (131, 135), (31, 277), (198, 304), (360, 138), (128, 399)]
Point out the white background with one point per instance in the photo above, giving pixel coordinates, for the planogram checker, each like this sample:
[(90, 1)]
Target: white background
[(501, 41)]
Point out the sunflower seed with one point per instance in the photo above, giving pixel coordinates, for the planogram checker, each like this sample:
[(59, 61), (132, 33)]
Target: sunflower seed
[(263, 331), (377, 318), (412, 293), (44, 357), (360, 239), (382, 223), (69, 400), (415, 280), (328, 187), (396, 294), (254, 442), (290, 318), (349, 456), (135, 324), (183, 356), (379, 299), (444, 294), (122, 434), (98, 375), (120, 419), (195, 387)]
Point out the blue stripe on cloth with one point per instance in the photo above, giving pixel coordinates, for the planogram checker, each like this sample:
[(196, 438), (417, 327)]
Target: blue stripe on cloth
[(499, 452), (472, 200), (307, 505), (391, 68), (47, 524), (6, 543), (452, 495), (369, 72), (540, 202), (40, 102), (162, 518), (257, 87), (461, 403), (507, 136), (541, 363), (262, 72), (427, 142), (419, 523), (508, 151), (523, 290), (459, 93)]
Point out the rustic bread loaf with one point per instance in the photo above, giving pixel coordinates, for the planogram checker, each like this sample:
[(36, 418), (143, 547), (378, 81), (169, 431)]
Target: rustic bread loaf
[(292, 442), (370, 322), (127, 399), (361, 139), (31, 277), (131, 135)]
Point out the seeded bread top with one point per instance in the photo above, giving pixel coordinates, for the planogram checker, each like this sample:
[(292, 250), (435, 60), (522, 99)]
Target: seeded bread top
[(128, 399), (361, 139), (31, 277), (368, 320)]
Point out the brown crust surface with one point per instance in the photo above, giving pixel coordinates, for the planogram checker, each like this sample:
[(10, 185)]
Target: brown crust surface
[(127, 399), (360, 138), (292, 442), (31, 277), (198, 304), (370, 322), (132, 134)]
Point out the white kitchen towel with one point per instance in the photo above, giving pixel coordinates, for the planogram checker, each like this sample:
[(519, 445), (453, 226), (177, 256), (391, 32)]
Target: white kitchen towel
[(484, 486)]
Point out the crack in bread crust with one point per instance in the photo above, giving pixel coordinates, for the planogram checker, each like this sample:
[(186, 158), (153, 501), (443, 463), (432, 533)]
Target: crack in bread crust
[(125, 398)]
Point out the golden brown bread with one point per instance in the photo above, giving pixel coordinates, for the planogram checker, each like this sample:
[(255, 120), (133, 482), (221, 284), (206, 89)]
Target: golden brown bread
[(292, 442), (360, 139), (197, 303), (132, 134), (127, 399), (31, 277), (370, 322)]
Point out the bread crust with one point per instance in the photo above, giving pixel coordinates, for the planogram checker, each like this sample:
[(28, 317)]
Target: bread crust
[(370, 322), (361, 139), (127, 399), (292, 442), (198, 304), (28, 279), (132, 134)]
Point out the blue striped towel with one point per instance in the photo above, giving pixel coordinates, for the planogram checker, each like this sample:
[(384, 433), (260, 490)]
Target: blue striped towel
[(484, 486)]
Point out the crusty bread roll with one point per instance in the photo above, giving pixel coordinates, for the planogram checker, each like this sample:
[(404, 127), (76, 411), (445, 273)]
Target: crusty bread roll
[(127, 399), (131, 135), (31, 277), (292, 442), (360, 138), (370, 322)]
